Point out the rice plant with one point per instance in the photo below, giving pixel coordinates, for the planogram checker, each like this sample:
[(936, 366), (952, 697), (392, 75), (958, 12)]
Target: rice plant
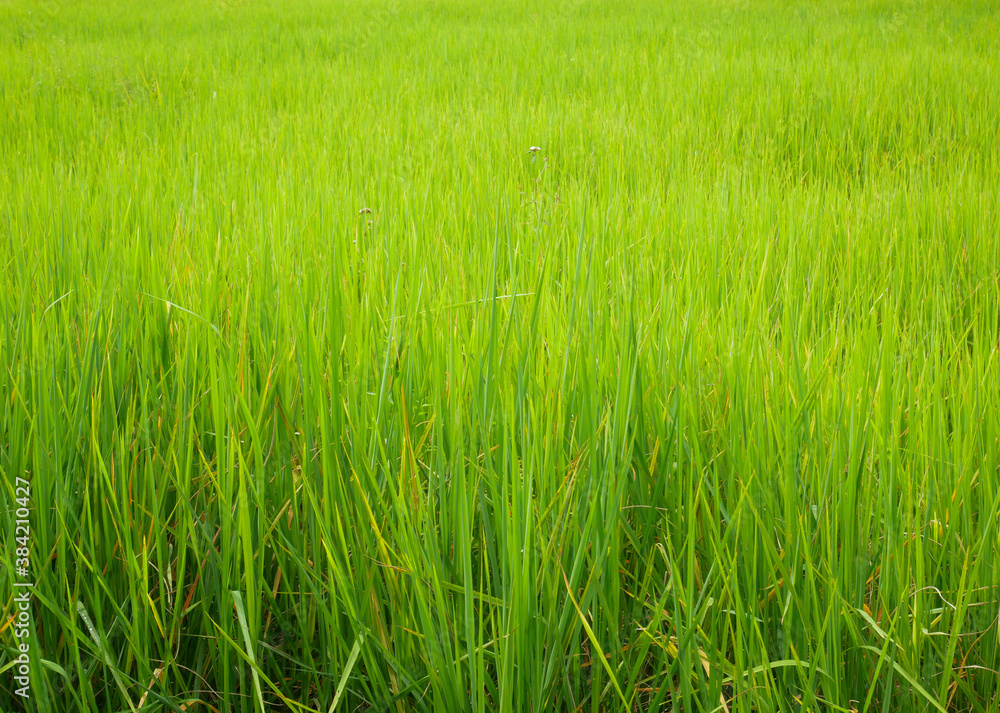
[(438, 355)]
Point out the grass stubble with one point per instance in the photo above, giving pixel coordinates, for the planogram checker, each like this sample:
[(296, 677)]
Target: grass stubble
[(335, 394)]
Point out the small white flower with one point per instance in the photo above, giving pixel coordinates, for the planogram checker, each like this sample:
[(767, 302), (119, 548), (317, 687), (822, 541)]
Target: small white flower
[(534, 149)]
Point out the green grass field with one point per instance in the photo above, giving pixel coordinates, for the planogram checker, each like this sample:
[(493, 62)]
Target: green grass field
[(335, 395)]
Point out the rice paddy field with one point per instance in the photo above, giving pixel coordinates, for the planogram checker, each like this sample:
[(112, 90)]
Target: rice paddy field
[(500, 356)]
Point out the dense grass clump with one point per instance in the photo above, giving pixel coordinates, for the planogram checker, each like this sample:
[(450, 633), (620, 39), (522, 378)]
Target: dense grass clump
[(335, 394)]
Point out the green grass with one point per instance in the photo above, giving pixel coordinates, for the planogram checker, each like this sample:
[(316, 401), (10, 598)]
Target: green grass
[(695, 409)]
